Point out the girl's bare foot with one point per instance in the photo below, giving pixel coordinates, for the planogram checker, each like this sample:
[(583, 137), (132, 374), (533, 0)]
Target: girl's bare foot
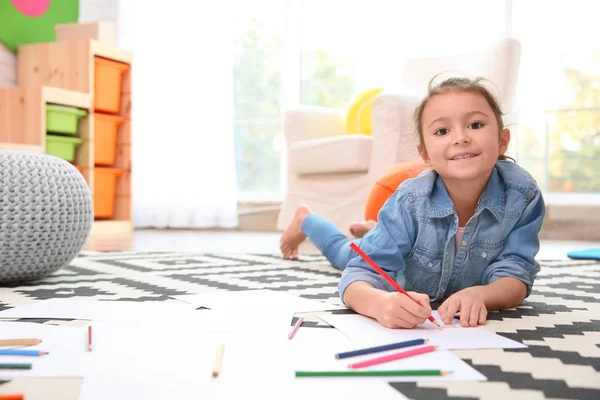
[(360, 229), (293, 236)]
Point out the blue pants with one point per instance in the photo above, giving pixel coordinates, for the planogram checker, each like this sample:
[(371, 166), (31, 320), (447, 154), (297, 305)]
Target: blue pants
[(334, 245)]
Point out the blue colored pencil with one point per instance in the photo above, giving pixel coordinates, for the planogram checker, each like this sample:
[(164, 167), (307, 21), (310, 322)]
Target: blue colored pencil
[(385, 347), (17, 352)]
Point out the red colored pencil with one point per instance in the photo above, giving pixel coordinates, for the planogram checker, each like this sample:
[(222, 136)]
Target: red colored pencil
[(393, 357), (387, 277)]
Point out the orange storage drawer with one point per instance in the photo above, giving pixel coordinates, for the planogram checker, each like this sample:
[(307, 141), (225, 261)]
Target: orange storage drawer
[(105, 184), (105, 138), (108, 76)]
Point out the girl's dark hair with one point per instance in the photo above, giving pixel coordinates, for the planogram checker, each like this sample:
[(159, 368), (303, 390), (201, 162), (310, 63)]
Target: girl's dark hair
[(460, 85)]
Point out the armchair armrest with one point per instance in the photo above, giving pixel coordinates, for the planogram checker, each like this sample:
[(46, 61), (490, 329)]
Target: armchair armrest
[(312, 122), (394, 134)]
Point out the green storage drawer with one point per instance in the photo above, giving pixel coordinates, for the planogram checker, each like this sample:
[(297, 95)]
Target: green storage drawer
[(62, 119), (62, 146)]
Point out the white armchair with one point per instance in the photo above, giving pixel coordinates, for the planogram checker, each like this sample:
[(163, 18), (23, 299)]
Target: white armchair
[(333, 172)]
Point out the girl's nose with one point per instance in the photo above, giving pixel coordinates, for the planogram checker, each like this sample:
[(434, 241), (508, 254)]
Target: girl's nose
[(460, 137)]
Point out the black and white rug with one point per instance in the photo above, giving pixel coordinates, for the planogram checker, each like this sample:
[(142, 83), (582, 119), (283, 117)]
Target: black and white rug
[(560, 321)]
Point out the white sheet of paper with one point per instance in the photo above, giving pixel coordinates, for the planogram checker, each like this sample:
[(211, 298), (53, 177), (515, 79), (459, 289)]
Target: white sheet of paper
[(368, 332), (176, 361), (123, 388), (256, 300), (123, 311), (66, 345)]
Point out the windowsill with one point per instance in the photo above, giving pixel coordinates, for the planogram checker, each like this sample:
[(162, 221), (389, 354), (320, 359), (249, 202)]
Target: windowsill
[(260, 198), (572, 199)]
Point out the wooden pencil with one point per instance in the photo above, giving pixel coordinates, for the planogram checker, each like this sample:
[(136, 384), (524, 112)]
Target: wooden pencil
[(393, 357), (19, 342), (19, 352), (416, 372), (15, 366), (218, 360), (385, 276), (295, 328), (385, 347), (12, 396), (89, 337)]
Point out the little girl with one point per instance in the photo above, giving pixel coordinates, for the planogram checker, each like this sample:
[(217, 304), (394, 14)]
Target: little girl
[(465, 232)]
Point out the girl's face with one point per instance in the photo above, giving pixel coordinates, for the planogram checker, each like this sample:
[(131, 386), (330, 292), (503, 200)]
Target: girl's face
[(461, 136)]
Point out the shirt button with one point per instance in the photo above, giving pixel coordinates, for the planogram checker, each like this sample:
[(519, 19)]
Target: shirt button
[(484, 254), (430, 265), (464, 243)]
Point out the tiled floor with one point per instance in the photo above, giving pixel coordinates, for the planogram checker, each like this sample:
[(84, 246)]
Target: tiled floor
[(250, 242)]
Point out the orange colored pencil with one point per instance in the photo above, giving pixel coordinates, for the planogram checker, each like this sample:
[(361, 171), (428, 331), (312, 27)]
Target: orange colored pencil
[(12, 396), (89, 337), (387, 277)]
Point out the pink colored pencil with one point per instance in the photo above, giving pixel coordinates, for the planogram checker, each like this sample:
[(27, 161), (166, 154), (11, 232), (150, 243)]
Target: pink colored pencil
[(393, 357), (296, 327)]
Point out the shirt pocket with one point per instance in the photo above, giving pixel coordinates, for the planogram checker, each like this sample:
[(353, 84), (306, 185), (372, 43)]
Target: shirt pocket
[(481, 254), (423, 271)]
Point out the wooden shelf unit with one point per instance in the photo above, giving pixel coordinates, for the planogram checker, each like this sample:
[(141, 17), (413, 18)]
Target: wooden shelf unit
[(23, 115), (69, 65)]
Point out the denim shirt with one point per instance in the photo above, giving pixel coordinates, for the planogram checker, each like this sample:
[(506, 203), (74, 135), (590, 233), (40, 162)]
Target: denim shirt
[(414, 239)]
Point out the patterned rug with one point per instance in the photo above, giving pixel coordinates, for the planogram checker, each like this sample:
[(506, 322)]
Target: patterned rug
[(560, 321)]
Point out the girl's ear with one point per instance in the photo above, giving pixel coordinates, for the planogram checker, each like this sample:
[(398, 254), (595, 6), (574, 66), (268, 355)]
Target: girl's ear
[(504, 140), (423, 154)]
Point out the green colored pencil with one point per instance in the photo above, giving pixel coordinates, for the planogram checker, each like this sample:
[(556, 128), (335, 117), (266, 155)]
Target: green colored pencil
[(407, 372), (15, 366)]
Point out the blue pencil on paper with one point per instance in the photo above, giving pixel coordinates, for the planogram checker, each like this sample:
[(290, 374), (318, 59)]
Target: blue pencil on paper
[(385, 347), (17, 352)]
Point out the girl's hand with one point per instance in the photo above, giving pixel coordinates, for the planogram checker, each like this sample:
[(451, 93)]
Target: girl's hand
[(396, 310), (470, 305)]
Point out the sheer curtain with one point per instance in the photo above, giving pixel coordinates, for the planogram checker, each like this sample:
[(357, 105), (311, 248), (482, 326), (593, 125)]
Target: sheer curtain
[(183, 167)]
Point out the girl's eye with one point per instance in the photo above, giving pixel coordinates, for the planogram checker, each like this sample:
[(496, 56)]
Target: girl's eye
[(476, 125), (441, 132)]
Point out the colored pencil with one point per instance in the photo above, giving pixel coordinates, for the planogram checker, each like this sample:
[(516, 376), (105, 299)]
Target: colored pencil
[(12, 396), (416, 372), (14, 366), (89, 338), (295, 328), (387, 277), (393, 357), (218, 360), (385, 347), (18, 352), (19, 342)]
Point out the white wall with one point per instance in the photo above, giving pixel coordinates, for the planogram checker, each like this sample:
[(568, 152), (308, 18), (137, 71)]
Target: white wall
[(98, 10), (117, 12)]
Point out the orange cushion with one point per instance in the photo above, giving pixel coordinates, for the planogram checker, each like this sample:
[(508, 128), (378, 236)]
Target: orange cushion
[(388, 183)]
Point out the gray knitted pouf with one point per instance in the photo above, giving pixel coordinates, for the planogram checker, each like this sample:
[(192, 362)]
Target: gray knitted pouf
[(46, 215)]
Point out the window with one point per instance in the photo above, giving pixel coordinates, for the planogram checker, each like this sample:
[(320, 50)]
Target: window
[(559, 95), (360, 45), (257, 92)]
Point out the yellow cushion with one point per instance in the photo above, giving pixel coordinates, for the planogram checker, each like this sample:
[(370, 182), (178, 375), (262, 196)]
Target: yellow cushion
[(358, 115)]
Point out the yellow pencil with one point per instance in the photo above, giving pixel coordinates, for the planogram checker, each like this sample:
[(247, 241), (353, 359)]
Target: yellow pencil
[(218, 360)]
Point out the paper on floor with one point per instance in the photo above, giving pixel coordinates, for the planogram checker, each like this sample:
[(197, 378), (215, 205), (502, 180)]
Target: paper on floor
[(256, 300), (368, 332), (124, 311), (177, 362), (145, 312)]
